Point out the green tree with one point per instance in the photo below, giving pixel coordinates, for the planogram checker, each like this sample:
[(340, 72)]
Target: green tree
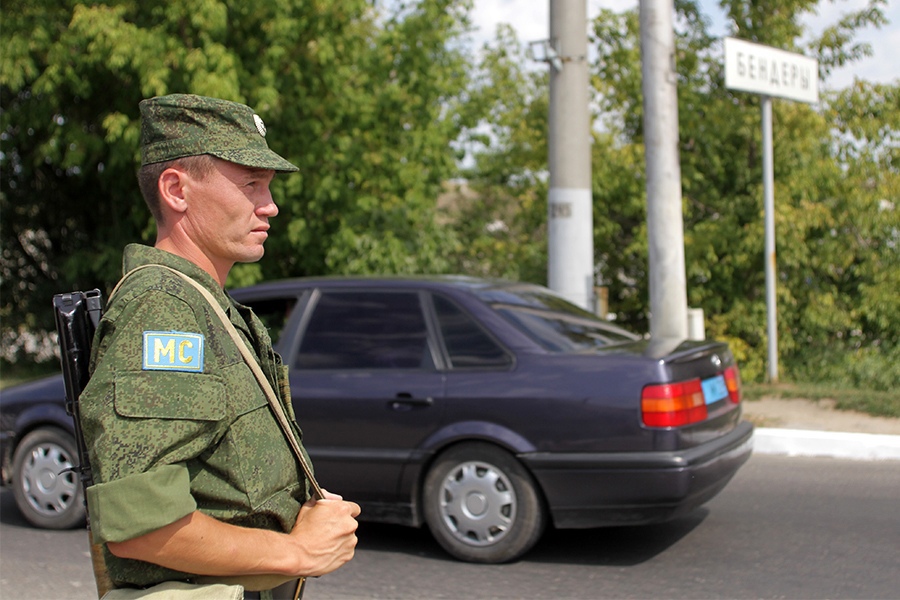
[(842, 283), (836, 185), (500, 212), (365, 100)]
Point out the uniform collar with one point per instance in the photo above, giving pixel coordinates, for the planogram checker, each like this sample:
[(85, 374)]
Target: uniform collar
[(136, 255)]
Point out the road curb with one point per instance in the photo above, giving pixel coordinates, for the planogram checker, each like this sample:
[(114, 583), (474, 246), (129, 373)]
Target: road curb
[(802, 442)]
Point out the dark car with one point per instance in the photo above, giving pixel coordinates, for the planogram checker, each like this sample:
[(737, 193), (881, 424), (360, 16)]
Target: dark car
[(37, 451), (489, 410)]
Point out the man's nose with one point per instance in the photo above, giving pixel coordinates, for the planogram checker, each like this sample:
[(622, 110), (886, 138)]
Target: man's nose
[(268, 208)]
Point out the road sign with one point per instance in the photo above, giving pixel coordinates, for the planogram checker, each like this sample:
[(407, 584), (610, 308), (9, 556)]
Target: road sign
[(768, 71)]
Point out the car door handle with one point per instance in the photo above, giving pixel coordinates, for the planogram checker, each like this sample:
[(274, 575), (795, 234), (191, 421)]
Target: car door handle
[(406, 401)]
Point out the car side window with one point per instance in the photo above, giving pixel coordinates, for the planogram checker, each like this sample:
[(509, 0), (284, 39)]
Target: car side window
[(274, 313), (468, 345), (365, 330)]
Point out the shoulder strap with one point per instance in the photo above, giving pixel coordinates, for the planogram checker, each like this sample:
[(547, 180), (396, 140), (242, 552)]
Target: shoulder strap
[(274, 402), (129, 274)]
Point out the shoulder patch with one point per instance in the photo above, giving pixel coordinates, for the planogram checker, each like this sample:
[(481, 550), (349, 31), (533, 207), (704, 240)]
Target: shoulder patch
[(173, 351)]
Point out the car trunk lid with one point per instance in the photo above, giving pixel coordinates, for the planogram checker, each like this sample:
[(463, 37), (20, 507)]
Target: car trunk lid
[(699, 383)]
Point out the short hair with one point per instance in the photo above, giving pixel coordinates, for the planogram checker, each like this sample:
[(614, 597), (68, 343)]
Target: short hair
[(198, 166)]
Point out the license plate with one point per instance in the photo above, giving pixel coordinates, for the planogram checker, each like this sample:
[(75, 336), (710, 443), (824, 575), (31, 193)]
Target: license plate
[(714, 389)]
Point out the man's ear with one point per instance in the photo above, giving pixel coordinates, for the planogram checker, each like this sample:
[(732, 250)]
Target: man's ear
[(171, 185)]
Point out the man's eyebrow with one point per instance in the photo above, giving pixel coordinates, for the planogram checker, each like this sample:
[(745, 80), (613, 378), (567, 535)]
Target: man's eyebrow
[(257, 173)]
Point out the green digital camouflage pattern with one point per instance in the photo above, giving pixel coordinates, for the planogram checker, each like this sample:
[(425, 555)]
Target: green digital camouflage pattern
[(182, 125), (163, 443)]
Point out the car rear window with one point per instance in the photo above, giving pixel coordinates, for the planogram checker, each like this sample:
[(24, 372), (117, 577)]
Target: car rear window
[(553, 322), (468, 345)]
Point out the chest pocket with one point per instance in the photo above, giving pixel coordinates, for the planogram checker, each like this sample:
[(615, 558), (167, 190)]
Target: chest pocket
[(167, 417), (171, 396)]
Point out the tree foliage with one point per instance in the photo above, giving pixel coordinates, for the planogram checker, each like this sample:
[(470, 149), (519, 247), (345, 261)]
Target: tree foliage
[(365, 100), (499, 213)]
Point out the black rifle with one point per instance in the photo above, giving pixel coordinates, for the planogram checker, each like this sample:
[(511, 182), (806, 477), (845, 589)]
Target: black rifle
[(77, 316)]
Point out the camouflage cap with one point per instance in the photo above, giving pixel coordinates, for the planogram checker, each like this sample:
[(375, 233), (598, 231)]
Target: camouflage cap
[(180, 125)]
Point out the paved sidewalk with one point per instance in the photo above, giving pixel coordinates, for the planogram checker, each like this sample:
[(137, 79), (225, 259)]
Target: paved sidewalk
[(816, 428)]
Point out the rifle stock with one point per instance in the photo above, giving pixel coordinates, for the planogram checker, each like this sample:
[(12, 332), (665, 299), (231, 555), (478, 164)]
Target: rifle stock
[(77, 315)]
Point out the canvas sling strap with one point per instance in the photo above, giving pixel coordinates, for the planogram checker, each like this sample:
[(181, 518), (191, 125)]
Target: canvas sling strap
[(272, 397), (251, 361)]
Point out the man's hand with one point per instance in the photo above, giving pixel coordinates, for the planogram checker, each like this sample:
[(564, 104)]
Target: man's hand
[(326, 533)]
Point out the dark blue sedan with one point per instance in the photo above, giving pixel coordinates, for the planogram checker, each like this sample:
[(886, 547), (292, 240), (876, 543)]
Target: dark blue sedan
[(489, 410)]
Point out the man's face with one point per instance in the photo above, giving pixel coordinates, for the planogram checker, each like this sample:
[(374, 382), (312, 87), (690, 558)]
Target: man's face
[(228, 212)]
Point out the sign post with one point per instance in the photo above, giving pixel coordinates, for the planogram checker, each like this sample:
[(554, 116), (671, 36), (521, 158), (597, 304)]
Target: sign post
[(769, 72)]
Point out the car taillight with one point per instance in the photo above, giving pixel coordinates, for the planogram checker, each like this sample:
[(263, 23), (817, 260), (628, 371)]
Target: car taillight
[(733, 383), (673, 404)]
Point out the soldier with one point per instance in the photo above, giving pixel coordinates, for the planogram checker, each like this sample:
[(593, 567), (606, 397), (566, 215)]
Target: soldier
[(194, 480)]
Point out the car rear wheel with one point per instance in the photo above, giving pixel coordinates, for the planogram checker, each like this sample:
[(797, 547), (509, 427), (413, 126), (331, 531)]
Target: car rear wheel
[(481, 504), (47, 495)]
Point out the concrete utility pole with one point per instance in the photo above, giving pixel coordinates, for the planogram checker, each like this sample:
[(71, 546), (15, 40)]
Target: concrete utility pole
[(570, 217), (665, 221)]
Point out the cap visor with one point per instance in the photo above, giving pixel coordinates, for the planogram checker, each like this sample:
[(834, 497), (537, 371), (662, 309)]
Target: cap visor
[(257, 158)]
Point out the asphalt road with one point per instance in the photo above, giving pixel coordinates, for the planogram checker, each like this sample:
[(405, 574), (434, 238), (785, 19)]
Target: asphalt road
[(783, 528)]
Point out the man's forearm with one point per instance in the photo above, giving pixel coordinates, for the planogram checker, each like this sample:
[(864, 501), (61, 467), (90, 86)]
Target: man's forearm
[(322, 540), (203, 545)]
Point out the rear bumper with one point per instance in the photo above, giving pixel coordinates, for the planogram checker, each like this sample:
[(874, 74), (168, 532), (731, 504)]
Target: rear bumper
[(593, 490)]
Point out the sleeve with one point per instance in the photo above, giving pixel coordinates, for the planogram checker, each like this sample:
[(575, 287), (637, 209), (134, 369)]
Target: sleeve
[(126, 508), (142, 425)]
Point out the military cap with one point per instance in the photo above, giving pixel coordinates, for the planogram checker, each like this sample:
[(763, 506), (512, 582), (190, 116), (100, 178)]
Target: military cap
[(180, 125)]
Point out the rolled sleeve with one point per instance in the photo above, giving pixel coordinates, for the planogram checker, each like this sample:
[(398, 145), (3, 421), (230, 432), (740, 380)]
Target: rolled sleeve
[(129, 507)]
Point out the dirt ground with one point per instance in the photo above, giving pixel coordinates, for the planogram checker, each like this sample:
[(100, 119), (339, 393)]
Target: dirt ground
[(818, 415)]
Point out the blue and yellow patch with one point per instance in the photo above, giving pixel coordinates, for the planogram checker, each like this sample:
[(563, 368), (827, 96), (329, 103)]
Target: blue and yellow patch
[(173, 351)]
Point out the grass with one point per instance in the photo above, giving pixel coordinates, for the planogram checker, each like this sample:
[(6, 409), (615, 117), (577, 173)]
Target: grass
[(875, 403)]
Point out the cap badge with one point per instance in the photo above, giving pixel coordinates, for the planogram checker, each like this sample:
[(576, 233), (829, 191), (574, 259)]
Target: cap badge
[(260, 126)]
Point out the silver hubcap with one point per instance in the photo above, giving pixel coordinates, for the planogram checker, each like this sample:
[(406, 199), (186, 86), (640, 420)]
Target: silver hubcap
[(48, 490), (478, 504)]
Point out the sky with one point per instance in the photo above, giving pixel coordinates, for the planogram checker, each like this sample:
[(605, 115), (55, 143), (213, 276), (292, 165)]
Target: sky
[(531, 20)]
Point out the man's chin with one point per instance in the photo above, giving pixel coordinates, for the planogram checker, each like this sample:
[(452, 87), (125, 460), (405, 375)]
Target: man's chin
[(252, 256)]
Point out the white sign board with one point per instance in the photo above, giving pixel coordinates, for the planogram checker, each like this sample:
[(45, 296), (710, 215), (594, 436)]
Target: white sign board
[(769, 71)]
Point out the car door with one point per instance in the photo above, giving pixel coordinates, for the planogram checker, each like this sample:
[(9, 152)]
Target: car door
[(365, 388)]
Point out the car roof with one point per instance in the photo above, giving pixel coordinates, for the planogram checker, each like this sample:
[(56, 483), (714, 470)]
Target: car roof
[(463, 282)]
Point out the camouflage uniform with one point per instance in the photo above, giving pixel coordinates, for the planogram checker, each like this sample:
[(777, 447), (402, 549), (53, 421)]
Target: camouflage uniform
[(165, 443), (174, 419)]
